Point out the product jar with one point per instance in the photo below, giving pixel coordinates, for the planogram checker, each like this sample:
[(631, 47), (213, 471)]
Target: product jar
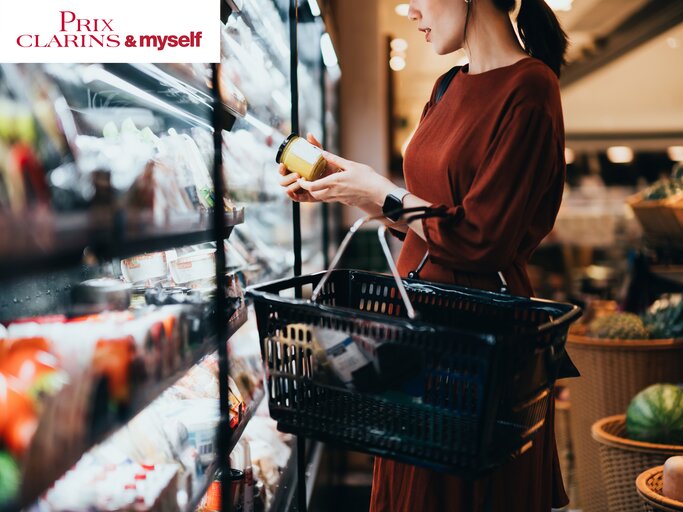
[(301, 157)]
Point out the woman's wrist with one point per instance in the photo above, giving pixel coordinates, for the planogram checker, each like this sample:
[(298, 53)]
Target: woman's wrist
[(384, 188)]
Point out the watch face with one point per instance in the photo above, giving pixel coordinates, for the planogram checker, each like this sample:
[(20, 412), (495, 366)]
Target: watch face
[(391, 205)]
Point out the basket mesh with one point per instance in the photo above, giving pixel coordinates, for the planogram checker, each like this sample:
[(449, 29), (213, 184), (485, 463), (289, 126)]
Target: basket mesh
[(485, 370)]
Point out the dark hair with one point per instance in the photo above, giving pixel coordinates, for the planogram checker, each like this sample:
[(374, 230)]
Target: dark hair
[(540, 31)]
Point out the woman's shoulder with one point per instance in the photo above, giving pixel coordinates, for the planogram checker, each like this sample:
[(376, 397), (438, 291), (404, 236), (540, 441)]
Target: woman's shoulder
[(534, 84)]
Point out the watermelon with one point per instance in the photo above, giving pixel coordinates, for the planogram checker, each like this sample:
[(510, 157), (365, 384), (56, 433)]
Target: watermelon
[(655, 415), (9, 478)]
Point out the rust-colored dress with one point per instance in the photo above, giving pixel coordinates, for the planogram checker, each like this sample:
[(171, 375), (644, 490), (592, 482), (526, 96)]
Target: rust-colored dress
[(491, 151)]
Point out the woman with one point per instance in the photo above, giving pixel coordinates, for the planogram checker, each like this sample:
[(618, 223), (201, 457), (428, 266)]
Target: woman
[(490, 155)]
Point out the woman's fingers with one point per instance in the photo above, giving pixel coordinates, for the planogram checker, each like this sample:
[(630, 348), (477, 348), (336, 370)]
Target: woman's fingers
[(283, 170), (294, 187), (288, 179), (311, 138), (320, 195), (321, 184), (337, 161)]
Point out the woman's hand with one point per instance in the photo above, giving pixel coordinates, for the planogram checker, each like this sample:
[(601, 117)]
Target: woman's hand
[(344, 181), (291, 180)]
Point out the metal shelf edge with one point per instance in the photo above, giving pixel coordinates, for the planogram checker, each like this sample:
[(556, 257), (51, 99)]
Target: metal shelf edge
[(105, 244), (234, 439)]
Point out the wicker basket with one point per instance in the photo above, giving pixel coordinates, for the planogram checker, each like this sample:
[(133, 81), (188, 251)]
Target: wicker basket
[(658, 217), (649, 486), (622, 460), (612, 373)]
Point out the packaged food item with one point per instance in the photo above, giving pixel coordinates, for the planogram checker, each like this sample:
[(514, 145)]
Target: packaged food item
[(97, 295), (18, 420), (301, 157), (37, 373), (337, 354), (194, 267), (236, 489), (144, 268), (113, 359)]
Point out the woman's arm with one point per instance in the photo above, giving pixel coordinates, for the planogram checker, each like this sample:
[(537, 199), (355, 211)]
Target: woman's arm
[(296, 192), (518, 181)]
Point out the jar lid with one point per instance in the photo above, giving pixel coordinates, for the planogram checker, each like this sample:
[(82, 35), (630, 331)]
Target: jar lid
[(283, 146)]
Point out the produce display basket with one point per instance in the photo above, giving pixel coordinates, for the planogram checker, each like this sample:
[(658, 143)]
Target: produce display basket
[(488, 362), (622, 460), (660, 217), (649, 486), (612, 373)]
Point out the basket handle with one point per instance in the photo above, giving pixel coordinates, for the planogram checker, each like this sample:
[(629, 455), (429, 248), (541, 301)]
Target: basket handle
[(381, 233)]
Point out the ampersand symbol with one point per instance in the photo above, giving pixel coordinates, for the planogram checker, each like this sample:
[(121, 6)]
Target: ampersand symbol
[(130, 42)]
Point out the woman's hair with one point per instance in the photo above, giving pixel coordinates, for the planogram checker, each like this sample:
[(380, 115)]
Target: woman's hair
[(538, 27)]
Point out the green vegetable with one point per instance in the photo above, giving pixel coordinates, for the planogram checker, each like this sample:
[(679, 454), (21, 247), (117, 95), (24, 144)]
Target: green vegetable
[(625, 326), (109, 130), (655, 415), (664, 318), (10, 478), (663, 189)]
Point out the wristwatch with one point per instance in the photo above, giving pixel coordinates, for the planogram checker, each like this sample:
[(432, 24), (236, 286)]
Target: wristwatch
[(393, 204)]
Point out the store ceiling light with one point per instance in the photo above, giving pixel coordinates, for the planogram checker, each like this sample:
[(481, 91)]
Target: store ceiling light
[(327, 48), (399, 45), (569, 156), (620, 154), (560, 5), (315, 8), (402, 9), (675, 153), (397, 63)]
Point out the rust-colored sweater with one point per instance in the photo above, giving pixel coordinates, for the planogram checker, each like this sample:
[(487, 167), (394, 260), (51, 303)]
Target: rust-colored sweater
[(490, 152)]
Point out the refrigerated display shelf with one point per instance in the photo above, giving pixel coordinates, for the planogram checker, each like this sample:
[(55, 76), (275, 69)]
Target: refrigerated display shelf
[(133, 242), (142, 398), (270, 40), (195, 99), (201, 489), (47, 246)]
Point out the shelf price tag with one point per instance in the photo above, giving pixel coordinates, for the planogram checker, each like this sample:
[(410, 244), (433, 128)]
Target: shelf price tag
[(131, 31)]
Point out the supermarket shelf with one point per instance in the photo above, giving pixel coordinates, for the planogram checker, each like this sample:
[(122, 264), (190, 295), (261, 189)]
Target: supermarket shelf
[(285, 497), (270, 42), (312, 469), (147, 396), (141, 399), (200, 490), (32, 246), (246, 418), (286, 489), (132, 242)]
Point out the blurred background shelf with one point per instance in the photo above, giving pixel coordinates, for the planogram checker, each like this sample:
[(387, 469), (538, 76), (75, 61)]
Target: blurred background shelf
[(34, 246)]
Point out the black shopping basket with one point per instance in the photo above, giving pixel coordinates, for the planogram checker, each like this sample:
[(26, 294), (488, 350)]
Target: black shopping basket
[(486, 365)]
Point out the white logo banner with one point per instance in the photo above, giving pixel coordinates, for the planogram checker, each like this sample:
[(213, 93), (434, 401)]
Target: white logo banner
[(138, 31)]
